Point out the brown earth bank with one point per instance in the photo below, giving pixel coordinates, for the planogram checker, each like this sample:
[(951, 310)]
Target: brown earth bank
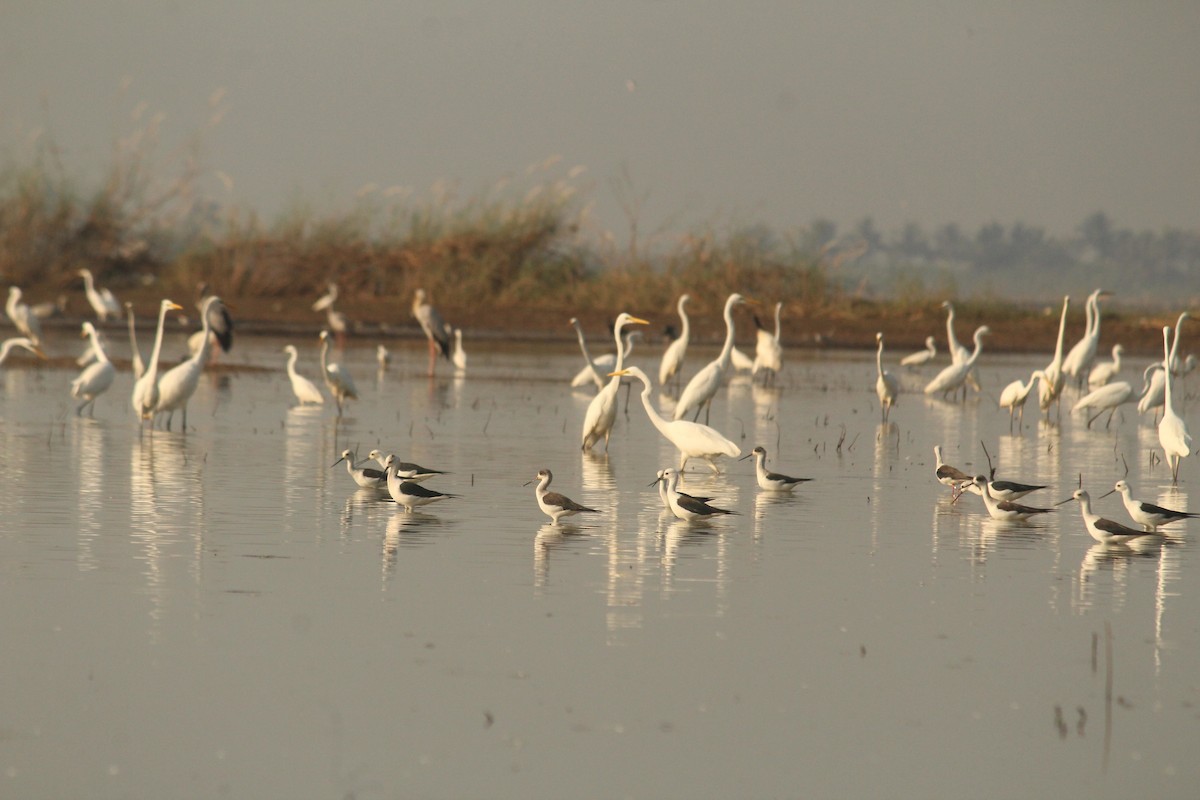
[(851, 324)]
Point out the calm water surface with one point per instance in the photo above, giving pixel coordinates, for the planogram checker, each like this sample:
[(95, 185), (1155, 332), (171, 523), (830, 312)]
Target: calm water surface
[(221, 614)]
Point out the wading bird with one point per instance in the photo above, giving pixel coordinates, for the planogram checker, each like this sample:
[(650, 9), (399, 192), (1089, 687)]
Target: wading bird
[(145, 388), (96, 378), (954, 377), (1172, 430), (921, 357), (555, 505), (337, 380), (768, 351), (1104, 372), (178, 384), (1050, 389), (886, 385), (671, 367), (1104, 531), (1148, 515), (22, 317), (685, 506), (406, 470), (1014, 395), (410, 494), (435, 328), (365, 477), (20, 341), (1078, 362), (305, 390), (101, 300), (1004, 509), (699, 392), (946, 474), (771, 481), (602, 411), (459, 357), (135, 354)]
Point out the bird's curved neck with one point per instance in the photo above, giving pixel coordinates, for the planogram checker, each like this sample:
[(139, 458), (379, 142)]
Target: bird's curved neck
[(620, 339), (978, 347), (727, 348), (291, 362), (1062, 332), (778, 306), (879, 357), (325, 354), (583, 346), (685, 324), (152, 366), (1167, 372), (950, 329), (201, 355), (97, 348), (655, 418), (1174, 354)]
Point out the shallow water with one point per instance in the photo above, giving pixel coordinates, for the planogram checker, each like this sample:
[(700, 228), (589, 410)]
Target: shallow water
[(222, 614)]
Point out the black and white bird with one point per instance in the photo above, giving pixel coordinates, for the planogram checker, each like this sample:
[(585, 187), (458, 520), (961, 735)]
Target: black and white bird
[(662, 492), (435, 328), (685, 506), (407, 493), (771, 481), (366, 477), (1004, 490), (1148, 515), (555, 505), (220, 322), (1104, 531), (405, 469), (946, 474), (1005, 509)]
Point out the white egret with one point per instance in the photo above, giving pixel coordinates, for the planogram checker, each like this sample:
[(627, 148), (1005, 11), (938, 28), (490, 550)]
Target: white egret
[(768, 351), (954, 377), (382, 357), (1104, 372), (692, 439), (1173, 361), (1004, 509), (1172, 430), (671, 367), (1050, 389), (406, 470), (921, 357), (703, 386), (459, 357), (337, 379), (1104, 531), (305, 390), (1148, 515), (602, 411), (886, 385), (178, 384), (596, 370), (145, 388), (365, 477), (96, 378), (409, 494), (1015, 394), (435, 328), (50, 308), (1079, 360), (101, 300), (326, 301), (684, 506), (1107, 398), (135, 354), (946, 474), (770, 481), (20, 341), (740, 361), (555, 505), (20, 315)]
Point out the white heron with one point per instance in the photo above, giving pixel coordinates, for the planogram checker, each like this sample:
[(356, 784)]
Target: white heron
[(555, 505), (96, 378), (409, 494), (1050, 389), (1104, 372), (337, 380), (1104, 531), (335, 319), (1155, 393), (1173, 361), (770, 481), (691, 439), (178, 384), (145, 388), (1108, 397), (1004, 509), (740, 361), (101, 300), (435, 328), (768, 350), (954, 376), (20, 341), (1148, 515), (1172, 430), (1014, 395), (671, 367), (326, 301), (921, 357), (1079, 360), (595, 370), (305, 390), (958, 353), (459, 356), (135, 354), (21, 316), (602, 411), (382, 357), (703, 386), (365, 477), (886, 385), (684, 506)]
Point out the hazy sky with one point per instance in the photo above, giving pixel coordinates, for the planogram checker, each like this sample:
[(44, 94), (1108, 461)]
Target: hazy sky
[(771, 112)]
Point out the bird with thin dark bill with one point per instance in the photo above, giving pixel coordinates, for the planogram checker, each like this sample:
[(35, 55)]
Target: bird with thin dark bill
[(407, 470), (771, 481), (555, 505), (946, 474), (1148, 515), (1104, 531), (407, 493), (685, 506), (1005, 509), (365, 477), (435, 328)]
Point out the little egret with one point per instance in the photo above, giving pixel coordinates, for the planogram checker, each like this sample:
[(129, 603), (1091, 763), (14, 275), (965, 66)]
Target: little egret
[(921, 357), (1148, 515), (703, 386), (602, 411), (1172, 430), (771, 481), (337, 379), (178, 384), (555, 505), (20, 315), (145, 388), (671, 367), (886, 385), (96, 378), (101, 300), (305, 390), (691, 439), (1104, 531), (954, 377)]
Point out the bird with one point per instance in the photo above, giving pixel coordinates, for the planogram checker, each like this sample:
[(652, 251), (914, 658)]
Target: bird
[(96, 378), (921, 357), (145, 388), (178, 384), (1050, 389), (305, 390), (1104, 531), (662, 492), (671, 367), (954, 377), (1174, 364), (1105, 372), (1079, 360), (382, 357), (1155, 393), (1002, 490), (886, 385), (135, 354), (459, 356), (1107, 398), (435, 328), (958, 353), (703, 386), (220, 323), (692, 439), (335, 319), (740, 361), (555, 505), (326, 301), (337, 380), (101, 300), (50, 308), (771, 481), (1004, 509), (366, 477), (768, 351), (602, 411), (409, 494), (20, 315), (1148, 515), (406, 469), (22, 342), (685, 506), (1172, 430), (1015, 394), (946, 474), (596, 370)]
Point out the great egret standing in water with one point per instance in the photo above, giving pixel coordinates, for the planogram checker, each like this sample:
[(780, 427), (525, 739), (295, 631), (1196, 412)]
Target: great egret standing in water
[(699, 392), (1172, 430), (886, 385), (145, 388), (672, 360), (101, 300), (305, 390), (96, 378)]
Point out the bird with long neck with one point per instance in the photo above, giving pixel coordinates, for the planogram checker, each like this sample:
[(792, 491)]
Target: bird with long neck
[(145, 389), (590, 370), (135, 354), (703, 386), (1079, 360), (178, 384), (1050, 389), (672, 361), (886, 385), (1172, 430), (602, 411), (97, 377)]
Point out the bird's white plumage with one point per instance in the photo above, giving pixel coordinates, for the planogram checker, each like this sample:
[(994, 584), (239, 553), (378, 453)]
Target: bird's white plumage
[(22, 317), (954, 376), (101, 300), (1172, 430), (887, 388), (703, 386), (305, 390), (178, 384), (97, 377), (672, 360), (337, 379), (602, 410), (145, 388), (921, 357), (1104, 372)]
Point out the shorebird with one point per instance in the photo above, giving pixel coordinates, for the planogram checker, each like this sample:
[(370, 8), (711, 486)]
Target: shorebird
[(946, 474), (408, 493), (685, 506), (406, 470), (555, 505), (366, 477), (1004, 509), (1105, 531), (1148, 515), (771, 481)]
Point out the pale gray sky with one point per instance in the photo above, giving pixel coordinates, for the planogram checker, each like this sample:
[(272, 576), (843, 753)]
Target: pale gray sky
[(771, 112)]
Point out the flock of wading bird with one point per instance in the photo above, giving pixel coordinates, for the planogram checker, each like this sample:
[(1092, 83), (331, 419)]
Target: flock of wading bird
[(155, 397)]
